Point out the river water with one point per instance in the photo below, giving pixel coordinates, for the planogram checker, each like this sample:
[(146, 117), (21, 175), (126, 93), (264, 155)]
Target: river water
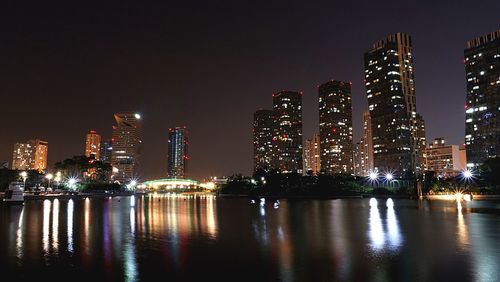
[(187, 238)]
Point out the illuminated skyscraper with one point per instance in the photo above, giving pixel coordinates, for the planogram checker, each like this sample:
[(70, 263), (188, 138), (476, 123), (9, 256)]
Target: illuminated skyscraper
[(312, 153), (335, 127), (367, 145), (390, 88), (177, 152), (105, 150), (263, 128), (287, 140), (31, 155), (92, 144), (482, 109), (358, 159), (126, 141)]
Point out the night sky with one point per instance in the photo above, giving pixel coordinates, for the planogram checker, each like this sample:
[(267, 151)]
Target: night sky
[(67, 68)]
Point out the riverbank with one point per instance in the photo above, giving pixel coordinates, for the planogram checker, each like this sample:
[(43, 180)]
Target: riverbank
[(315, 197), (52, 195)]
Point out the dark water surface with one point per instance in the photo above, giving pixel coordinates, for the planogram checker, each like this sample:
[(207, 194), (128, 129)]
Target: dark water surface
[(204, 238)]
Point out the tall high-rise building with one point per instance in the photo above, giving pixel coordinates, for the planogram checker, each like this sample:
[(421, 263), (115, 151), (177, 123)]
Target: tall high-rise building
[(177, 152), (482, 109), (92, 144), (31, 155), (126, 141), (367, 145), (105, 151), (335, 127), (263, 129), (390, 87), (287, 139), (422, 142), (312, 155), (358, 159)]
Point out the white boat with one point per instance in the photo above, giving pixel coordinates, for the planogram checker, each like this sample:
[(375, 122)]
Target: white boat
[(14, 194)]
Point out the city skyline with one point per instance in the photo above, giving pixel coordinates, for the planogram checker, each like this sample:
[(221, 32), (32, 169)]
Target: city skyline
[(329, 52)]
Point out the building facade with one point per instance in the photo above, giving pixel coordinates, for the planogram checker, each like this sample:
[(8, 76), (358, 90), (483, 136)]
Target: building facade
[(105, 151), (31, 155), (367, 145), (358, 159), (263, 130), (287, 137), (93, 145), (390, 87), (482, 109), (312, 155), (335, 127), (126, 141), (445, 160), (177, 152)]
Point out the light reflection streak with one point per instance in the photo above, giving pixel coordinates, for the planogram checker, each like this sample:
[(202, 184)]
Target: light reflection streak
[(130, 259), (19, 236), (391, 236), (46, 221), (211, 218), (376, 231), (70, 225), (394, 234), (463, 235), (55, 225), (86, 225)]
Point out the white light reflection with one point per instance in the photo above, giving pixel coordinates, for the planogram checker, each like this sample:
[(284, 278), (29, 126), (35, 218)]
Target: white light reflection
[(46, 221), (132, 201), (55, 225), (392, 225), (19, 236), (384, 234), (70, 225), (376, 231), (130, 259)]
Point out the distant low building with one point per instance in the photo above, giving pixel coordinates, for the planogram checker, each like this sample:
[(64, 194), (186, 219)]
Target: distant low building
[(445, 160)]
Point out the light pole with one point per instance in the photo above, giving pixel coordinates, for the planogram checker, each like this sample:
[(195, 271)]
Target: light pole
[(24, 175), (373, 176), (389, 177), (49, 177), (467, 176)]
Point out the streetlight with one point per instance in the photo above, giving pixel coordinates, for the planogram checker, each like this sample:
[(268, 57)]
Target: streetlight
[(372, 177), (24, 175), (467, 175), (389, 176), (49, 177), (72, 182)]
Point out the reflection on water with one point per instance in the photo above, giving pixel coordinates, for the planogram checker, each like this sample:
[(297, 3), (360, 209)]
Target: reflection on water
[(384, 234), (462, 232), (46, 226), (19, 236), (69, 231), (135, 238)]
